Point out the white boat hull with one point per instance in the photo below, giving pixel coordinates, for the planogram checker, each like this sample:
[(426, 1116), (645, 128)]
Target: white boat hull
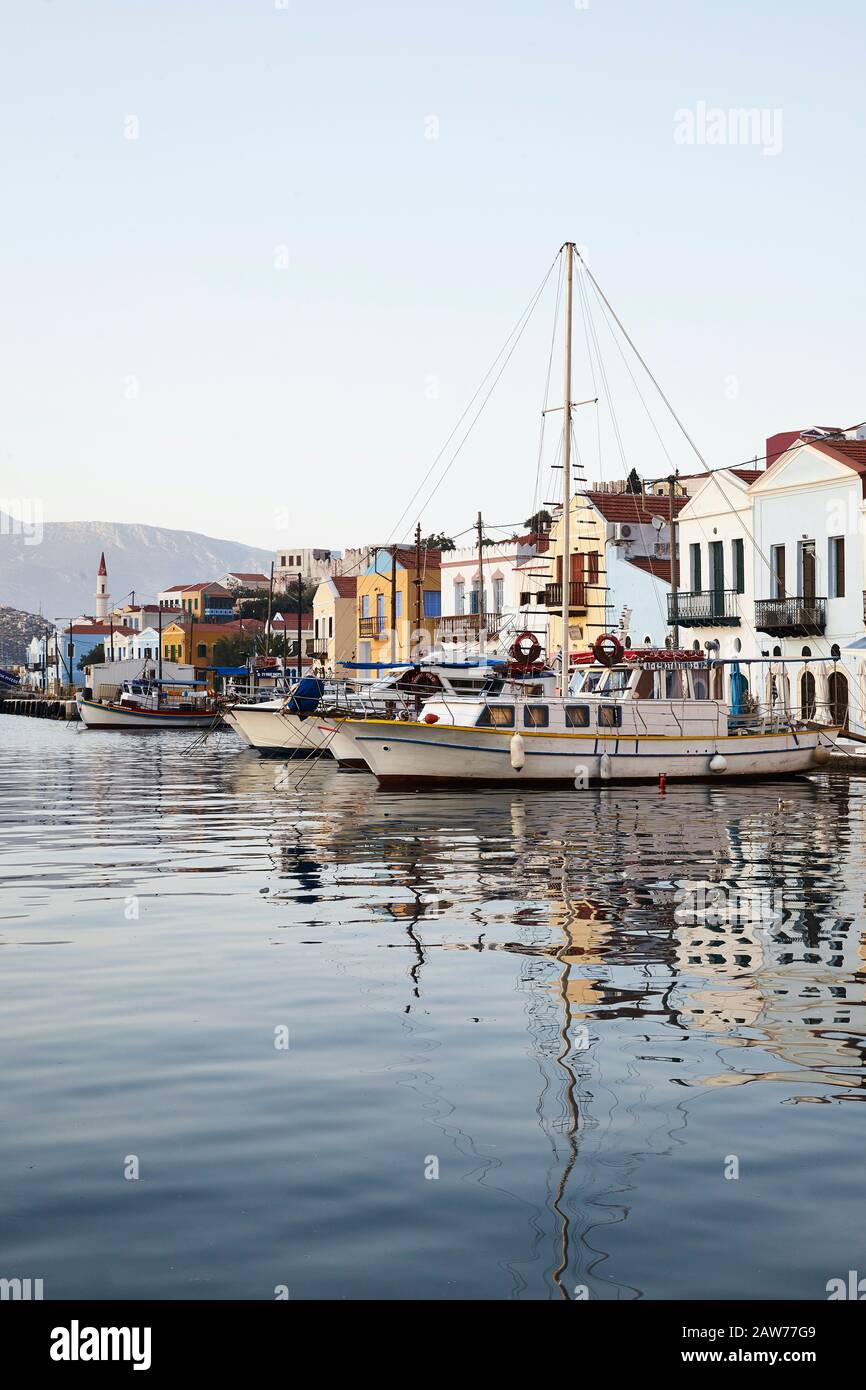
[(268, 729), (419, 752), (96, 715)]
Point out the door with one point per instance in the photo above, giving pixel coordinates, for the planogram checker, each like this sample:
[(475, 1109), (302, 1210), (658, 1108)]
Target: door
[(838, 693), (807, 569), (717, 577)]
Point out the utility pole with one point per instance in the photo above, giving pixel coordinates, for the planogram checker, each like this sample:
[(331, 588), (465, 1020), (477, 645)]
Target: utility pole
[(674, 577), (270, 609), (393, 605), (480, 530)]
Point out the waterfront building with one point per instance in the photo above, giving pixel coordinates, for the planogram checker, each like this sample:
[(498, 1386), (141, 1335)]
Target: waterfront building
[(209, 602), (192, 643), (781, 572), (54, 659), (334, 621), (504, 585), (620, 567), (387, 591)]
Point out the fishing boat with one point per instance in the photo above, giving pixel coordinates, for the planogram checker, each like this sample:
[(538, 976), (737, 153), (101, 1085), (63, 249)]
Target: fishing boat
[(302, 723), (621, 716), (626, 717), (150, 704)]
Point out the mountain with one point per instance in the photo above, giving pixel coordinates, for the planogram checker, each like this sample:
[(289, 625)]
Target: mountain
[(56, 575), (16, 630)]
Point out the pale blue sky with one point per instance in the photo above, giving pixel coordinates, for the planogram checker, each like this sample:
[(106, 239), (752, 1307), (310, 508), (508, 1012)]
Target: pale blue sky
[(149, 264)]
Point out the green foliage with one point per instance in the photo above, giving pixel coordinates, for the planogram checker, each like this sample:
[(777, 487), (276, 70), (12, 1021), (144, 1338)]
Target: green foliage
[(438, 542), (539, 521), (234, 649)]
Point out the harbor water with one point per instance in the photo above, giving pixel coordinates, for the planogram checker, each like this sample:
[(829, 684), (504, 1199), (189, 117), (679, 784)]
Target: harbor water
[(325, 1041)]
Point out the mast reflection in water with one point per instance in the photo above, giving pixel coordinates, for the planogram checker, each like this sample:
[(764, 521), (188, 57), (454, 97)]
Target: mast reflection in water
[(569, 1005)]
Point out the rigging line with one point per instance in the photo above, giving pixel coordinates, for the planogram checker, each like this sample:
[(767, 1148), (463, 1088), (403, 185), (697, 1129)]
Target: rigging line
[(535, 497), (477, 415), (640, 394), (581, 287), (522, 319), (606, 302)]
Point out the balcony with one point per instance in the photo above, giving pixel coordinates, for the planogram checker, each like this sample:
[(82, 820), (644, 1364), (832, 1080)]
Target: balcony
[(791, 617), (371, 627), (470, 624), (317, 647), (576, 596), (704, 608)]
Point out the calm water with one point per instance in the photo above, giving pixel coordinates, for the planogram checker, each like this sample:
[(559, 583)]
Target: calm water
[(512, 985)]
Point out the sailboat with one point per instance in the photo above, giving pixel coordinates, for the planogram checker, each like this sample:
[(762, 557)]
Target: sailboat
[(636, 715)]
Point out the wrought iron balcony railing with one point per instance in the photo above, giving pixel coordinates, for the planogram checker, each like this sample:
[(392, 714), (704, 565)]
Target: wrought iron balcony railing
[(791, 617), (704, 608), (371, 627)]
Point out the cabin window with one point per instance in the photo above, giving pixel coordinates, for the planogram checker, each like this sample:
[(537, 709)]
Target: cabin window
[(592, 680), (536, 716), (674, 685), (700, 686), (609, 716), (617, 682), (577, 716), (645, 689), (497, 717)]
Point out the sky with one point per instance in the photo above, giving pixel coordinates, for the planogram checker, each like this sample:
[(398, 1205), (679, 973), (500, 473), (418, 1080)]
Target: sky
[(256, 256)]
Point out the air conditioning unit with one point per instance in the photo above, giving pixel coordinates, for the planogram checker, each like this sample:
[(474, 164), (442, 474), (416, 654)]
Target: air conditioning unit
[(621, 533)]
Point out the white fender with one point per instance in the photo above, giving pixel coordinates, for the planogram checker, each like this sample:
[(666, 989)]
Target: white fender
[(821, 754), (604, 767), (518, 752), (718, 763)]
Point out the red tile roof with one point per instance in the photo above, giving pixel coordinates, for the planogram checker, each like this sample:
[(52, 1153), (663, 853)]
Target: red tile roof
[(659, 569), (254, 578), (289, 622), (748, 475), (99, 629), (346, 585), (637, 507), (851, 452)]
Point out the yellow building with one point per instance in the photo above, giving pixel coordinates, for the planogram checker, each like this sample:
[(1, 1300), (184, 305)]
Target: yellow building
[(193, 643), (387, 594), (335, 634), (587, 598)]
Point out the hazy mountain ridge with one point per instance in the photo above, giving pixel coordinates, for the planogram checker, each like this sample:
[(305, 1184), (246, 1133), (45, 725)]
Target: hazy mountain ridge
[(57, 575)]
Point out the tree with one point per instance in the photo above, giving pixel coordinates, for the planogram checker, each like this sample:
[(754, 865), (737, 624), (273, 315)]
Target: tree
[(254, 607), (634, 483), (233, 650), (438, 542), (539, 521), (93, 657)]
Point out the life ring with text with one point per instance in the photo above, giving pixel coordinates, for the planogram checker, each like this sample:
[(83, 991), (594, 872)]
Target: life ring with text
[(526, 649), (608, 650)]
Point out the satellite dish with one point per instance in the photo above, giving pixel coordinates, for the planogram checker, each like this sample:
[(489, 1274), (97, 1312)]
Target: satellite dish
[(659, 523)]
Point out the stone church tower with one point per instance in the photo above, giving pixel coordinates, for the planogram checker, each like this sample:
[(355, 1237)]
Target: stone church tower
[(102, 595)]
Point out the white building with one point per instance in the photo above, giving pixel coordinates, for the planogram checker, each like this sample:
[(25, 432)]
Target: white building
[(508, 585), (775, 566), (314, 565)]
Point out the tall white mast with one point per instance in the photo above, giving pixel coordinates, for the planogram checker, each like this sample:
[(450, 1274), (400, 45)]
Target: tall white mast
[(566, 475)]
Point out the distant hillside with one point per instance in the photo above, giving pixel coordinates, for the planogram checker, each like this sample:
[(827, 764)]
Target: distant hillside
[(16, 631), (58, 576)]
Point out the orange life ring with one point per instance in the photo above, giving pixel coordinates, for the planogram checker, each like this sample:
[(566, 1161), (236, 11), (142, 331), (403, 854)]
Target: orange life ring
[(526, 649), (607, 649)]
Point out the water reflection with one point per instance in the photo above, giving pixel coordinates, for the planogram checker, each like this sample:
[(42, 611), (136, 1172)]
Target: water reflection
[(532, 983)]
